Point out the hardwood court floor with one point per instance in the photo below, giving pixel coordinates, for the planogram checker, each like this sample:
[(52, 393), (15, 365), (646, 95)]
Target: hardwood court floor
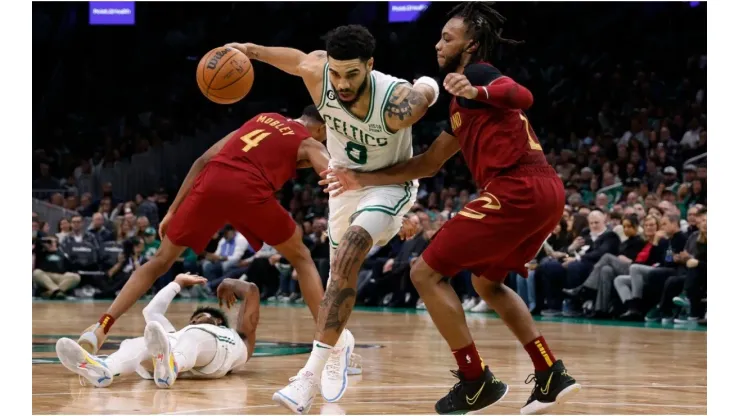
[(624, 370)]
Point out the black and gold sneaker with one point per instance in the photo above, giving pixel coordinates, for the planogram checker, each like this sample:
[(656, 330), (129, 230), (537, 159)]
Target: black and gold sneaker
[(551, 387), (472, 395)]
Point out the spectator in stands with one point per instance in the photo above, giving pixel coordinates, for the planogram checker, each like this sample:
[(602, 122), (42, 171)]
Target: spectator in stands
[(691, 220), (639, 211), (647, 281), (598, 286), (64, 227), (670, 181), (57, 199), (231, 248), (81, 247), (151, 244), (655, 212), (71, 203), (148, 208), (696, 280), (259, 269), (583, 254), (98, 229), (86, 207), (51, 273), (142, 223), (45, 181), (130, 259), (675, 283)]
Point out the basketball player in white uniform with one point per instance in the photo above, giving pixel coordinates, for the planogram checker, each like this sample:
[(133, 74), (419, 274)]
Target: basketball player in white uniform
[(369, 117), (206, 348)]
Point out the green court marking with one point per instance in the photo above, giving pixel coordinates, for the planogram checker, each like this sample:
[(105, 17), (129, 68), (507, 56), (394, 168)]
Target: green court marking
[(487, 315)]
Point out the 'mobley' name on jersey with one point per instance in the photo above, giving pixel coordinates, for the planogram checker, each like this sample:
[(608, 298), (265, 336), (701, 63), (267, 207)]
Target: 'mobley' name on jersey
[(354, 133), (282, 128)]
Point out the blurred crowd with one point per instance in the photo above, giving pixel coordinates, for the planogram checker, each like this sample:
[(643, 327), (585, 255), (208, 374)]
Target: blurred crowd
[(621, 119)]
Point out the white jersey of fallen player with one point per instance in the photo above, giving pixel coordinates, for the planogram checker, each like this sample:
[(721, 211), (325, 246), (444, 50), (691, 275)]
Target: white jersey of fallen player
[(231, 355), (364, 144)]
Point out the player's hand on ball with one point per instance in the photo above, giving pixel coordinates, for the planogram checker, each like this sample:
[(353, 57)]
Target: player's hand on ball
[(225, 294), (339, 180), (241, 47), (187, 280), (459, 86)]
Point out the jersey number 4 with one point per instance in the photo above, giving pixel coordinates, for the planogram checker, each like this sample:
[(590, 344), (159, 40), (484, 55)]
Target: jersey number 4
[(253, 139)]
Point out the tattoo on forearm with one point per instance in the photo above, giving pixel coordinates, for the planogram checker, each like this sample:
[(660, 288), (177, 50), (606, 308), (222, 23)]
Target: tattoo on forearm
[(402, 102)]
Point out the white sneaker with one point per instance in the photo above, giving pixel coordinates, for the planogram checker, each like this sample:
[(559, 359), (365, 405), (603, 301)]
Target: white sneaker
[(355, 365), (158, 345), (482, 306), (299, 394), (87, 366), (334, 377), (469, 304)]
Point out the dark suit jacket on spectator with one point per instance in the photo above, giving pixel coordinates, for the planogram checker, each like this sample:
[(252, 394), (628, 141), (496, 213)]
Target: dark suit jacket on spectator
[(673, 246), (608, 242)]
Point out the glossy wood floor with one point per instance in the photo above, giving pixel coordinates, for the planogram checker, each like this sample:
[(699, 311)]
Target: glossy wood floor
[(623, 370)]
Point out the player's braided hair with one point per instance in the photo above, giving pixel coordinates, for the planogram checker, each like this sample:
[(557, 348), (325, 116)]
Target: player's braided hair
[(483, 23), (214, 312)]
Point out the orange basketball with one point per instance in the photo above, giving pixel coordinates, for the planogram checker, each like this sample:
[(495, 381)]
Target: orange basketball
[(225, 75)]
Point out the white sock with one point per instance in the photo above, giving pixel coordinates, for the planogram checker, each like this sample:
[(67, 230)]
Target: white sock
[(316, 362)]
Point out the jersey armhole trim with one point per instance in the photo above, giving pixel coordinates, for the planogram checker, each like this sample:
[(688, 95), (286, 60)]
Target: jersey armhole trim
[(384, 103), (323, 86)]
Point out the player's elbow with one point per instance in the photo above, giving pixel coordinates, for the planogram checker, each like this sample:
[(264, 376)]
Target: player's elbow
[(527, 99)]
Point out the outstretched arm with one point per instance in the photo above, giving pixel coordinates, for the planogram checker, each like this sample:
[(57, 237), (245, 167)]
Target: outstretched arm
[(249, 313), (421, 166), (157, 307), (309, 66)]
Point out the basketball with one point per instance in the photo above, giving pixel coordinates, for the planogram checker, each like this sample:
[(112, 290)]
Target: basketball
[(225, 75)]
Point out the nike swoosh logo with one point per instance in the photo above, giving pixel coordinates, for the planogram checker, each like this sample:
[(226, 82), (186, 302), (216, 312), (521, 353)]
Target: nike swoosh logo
[(332, 106), (326, 348), (546, 390), (475, 397)]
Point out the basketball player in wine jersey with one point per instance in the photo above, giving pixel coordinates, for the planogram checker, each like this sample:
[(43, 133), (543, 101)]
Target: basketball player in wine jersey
[(369, 116), (234, 182), (521, 203)]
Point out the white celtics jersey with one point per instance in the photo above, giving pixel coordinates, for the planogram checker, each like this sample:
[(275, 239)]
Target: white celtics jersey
[(364, 144)]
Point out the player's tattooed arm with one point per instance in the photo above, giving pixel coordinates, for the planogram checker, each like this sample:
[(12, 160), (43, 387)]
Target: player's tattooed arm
[(406, 106), (249, 314), (340, 295)]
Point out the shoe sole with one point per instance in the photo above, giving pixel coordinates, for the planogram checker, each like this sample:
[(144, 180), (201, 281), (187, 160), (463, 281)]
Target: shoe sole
[(345, 382), (289, 404), (539, 408), (158, 346), (71, 354)]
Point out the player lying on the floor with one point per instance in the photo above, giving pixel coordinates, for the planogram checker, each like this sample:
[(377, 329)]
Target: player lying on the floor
[(206, 348)]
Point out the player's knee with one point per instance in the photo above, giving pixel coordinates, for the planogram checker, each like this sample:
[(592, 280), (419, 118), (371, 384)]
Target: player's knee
[(422, 274), (483, 285)]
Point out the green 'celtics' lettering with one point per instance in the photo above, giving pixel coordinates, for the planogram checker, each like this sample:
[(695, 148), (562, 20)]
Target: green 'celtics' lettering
[(356, 153), (354, 133)]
